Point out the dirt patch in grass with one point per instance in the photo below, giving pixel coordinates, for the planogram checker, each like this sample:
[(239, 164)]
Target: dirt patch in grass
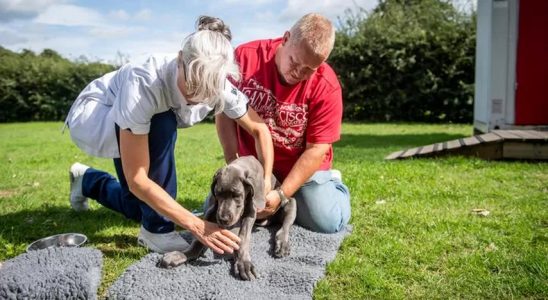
[(8, 193)]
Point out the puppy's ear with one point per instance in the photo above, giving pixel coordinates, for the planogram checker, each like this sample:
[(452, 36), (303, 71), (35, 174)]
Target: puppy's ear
[(254, 192), (214, 182)]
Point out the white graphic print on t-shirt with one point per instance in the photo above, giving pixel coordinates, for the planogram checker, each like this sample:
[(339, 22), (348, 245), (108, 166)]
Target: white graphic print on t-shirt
[(288, 126)]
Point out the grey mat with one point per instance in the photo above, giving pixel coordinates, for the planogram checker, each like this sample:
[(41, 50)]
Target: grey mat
[(55, 273), (292, 277)]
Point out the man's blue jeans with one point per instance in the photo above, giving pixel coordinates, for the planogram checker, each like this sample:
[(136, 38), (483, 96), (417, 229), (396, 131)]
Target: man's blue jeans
[(323, 203), (115, 194)]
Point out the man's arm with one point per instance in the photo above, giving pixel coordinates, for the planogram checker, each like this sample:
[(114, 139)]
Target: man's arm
[(308, 163)]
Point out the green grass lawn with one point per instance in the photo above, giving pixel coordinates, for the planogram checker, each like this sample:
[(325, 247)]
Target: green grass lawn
[(414, 234)]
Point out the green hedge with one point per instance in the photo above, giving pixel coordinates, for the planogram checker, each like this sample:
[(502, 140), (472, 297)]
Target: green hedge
[(407, 61), (41, 87)]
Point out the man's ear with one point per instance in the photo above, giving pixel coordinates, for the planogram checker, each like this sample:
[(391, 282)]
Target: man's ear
[(285, 38)]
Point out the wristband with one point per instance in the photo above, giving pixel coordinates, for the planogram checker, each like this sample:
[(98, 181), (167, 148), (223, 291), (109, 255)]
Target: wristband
[(282, 196)]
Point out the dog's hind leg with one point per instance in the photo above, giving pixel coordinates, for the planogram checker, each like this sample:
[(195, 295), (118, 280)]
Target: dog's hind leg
[(196, 249), (289, 213)]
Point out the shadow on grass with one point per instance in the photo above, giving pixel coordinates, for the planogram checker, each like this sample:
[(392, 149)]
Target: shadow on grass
[(191, 203), (119, 245), (26, 226), (395, 140)]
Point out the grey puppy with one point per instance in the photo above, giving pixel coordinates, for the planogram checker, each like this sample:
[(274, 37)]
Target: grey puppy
[(237, 191)]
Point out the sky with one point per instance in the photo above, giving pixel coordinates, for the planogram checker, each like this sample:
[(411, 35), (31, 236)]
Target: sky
[(115, 30)]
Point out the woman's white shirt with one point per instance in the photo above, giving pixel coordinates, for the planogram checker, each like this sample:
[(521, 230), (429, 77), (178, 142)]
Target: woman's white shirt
[(130, 97)]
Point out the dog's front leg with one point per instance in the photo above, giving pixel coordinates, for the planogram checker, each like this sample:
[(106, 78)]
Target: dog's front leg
[(243, 266), (289, 213), (172, 259)]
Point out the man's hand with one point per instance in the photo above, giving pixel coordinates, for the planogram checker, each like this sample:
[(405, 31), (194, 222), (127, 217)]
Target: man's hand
[(273, 203)]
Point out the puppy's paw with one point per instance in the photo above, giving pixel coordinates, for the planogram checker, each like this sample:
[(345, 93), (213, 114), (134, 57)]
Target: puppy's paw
[(282, 248), (245, 269), (172, 259)]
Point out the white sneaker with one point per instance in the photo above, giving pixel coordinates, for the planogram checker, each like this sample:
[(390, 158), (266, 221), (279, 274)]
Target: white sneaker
[(77, 199), (161, 242), (336, 174)]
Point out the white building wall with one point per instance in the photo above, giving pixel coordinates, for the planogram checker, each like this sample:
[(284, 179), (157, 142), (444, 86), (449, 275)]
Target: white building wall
[(483, 66), (496, 41)]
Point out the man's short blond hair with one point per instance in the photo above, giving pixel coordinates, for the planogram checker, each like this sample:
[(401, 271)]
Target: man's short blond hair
[(317, 31)]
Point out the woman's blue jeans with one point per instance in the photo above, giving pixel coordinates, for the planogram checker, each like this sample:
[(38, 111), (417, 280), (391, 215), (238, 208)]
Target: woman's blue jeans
[(115, 194)]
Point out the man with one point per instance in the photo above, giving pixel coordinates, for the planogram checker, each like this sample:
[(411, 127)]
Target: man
[(297, 94)]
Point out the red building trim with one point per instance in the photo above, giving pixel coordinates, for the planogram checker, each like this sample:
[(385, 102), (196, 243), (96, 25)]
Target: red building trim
[(532, 64)]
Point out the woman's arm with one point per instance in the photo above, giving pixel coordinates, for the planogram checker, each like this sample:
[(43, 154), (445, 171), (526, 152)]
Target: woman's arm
[(226, 131), (135, 163), (254, 125)]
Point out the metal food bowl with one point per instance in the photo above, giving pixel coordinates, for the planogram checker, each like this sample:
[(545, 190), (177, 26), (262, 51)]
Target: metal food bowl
[(58, 240)]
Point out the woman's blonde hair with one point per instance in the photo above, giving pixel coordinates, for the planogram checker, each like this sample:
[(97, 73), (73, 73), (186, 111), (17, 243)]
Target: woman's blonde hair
[(208, 59)]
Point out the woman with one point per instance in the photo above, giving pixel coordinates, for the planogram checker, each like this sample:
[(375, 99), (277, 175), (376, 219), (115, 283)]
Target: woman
[(132, 115)]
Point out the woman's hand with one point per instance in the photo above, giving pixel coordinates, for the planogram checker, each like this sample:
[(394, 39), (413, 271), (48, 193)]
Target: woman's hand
[(267, 185), (218, 239)]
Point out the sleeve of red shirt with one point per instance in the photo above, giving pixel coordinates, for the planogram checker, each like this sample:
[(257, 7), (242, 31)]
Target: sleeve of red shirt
[(325, 117), (238, 54)]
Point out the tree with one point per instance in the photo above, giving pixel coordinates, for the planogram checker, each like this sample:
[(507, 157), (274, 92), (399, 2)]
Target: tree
[(41, 87), (408, 60)]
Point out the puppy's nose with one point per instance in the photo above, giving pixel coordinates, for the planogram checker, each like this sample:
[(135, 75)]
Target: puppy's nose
[(223, 219)]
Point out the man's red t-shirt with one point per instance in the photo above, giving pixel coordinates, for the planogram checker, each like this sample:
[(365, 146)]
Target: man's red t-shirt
[(307, 112)]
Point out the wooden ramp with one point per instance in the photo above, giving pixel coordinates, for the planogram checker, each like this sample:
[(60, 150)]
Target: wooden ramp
[(498, 144)]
